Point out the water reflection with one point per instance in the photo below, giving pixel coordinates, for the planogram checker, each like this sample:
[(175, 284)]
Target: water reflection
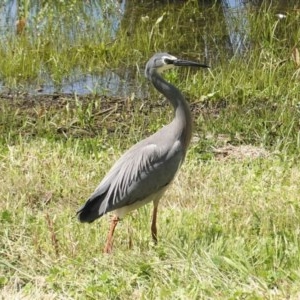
[(109, 83), (235, 17), (86, 16), (8, 14)]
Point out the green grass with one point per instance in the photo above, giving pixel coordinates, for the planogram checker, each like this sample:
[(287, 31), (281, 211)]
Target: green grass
[(227, 229)]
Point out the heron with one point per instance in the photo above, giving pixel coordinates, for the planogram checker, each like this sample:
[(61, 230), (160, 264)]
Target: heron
[(145, 171)]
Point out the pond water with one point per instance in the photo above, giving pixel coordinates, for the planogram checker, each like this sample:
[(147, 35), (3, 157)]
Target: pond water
[(110, 83), (86, 17), (91, 14)]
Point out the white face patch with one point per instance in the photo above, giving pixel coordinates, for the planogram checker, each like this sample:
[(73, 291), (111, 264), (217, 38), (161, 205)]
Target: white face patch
[(169, 57)]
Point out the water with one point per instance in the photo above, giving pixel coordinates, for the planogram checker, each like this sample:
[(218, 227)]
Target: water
[(236, 23), (8, 11), (109, 83), (87, 18)]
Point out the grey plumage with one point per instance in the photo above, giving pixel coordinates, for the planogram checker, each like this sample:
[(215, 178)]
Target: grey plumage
[(143, 172)]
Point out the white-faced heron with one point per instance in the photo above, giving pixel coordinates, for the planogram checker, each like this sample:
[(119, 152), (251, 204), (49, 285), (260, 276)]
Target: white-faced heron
[(144, 172)]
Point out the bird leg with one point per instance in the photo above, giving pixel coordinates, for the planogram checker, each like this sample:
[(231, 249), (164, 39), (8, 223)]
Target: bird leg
[(109, 241), (153, 225)]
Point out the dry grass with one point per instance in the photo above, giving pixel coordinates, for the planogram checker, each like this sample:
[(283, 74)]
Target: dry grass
[(240, 152)]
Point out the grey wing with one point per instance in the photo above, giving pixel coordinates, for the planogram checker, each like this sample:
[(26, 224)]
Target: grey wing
[(140, 172)]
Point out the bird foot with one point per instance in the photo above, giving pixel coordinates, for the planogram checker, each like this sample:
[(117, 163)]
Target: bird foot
[(107, 249)]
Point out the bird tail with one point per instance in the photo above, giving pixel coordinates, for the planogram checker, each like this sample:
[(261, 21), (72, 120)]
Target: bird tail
[(90, 211)]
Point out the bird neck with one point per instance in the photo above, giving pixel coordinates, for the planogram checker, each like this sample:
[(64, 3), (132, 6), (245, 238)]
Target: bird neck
[(183, 119)]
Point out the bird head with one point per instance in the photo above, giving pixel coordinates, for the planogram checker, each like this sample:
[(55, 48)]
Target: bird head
[(161, 62)]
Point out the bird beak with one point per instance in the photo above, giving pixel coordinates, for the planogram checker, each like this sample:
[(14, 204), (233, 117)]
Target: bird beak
[(187, 63)]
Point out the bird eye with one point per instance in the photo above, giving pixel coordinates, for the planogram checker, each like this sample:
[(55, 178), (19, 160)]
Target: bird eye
[(168, 61)]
